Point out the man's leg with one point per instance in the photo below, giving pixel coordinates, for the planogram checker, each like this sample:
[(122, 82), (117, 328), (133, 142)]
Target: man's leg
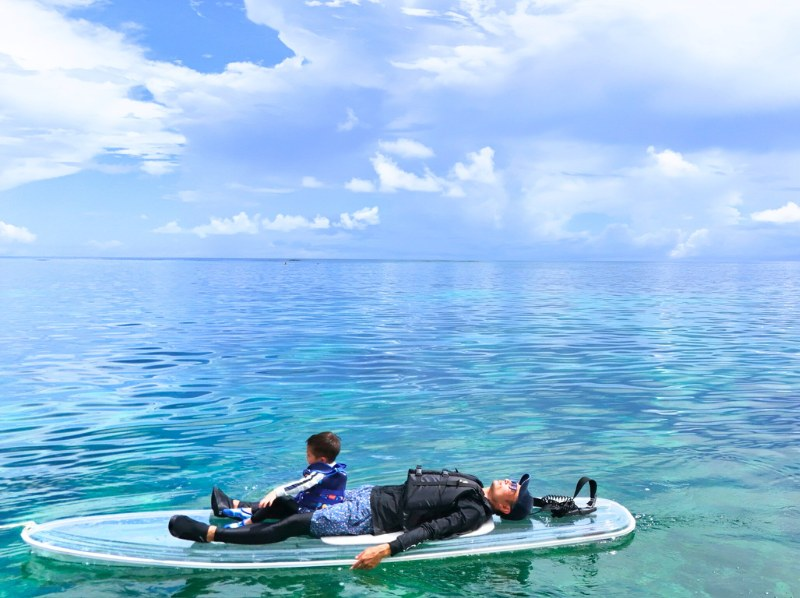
[(266, 533), (186, 528)]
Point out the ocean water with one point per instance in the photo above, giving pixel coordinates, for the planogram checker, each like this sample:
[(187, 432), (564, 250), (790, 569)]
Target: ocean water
[(137, 384)]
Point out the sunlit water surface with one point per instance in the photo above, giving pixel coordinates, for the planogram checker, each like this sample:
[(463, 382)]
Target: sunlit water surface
[(135, 385)]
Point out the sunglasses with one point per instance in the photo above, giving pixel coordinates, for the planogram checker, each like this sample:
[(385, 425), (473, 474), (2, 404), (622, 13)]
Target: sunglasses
[(513, 486)]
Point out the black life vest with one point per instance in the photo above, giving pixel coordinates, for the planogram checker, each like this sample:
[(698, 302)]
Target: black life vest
[(429, 494)]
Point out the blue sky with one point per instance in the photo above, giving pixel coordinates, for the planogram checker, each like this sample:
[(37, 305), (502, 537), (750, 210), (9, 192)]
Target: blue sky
[(407, 129)]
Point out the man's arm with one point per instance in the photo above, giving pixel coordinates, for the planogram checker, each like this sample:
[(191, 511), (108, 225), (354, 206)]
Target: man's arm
[(468, 516), (372, 556)]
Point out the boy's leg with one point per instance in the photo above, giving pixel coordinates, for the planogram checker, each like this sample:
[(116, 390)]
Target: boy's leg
[(281, 508), (221, 501)]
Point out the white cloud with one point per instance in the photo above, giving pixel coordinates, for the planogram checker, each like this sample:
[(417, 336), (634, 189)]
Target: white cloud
[(158, 167), (360, 186), (68, 3), (522, 49), (36, 37), (10, 233), (360, 219), (576, 48), (691, 245), (242, 223), (283, 223), (187, 196), (455, 190), (349, 123), (406, 148), (672, 164), (260, 190), (726, 211), (331, 3), (239, 224), (788, 214), (15, 171), (571, 192), (71, 100), (170, 228), (393, 178), (309, 182), (417, 12), (461, 65), (480, 167), (64, 87)]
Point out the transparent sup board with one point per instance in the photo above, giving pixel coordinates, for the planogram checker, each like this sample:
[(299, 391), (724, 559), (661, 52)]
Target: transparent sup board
[(142, 539)]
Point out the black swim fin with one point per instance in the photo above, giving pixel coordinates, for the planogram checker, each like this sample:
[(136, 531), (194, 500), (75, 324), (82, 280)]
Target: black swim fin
[(220, 501), (186, 528)]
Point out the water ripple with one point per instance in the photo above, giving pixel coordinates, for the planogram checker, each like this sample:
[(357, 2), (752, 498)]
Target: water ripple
[(139, 383)]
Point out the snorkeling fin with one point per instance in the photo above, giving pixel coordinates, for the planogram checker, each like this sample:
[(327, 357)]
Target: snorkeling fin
[(185, 528), (220, 501)]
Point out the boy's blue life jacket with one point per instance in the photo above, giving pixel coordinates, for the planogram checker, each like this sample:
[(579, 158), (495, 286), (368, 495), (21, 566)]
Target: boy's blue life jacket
[(329, 491)]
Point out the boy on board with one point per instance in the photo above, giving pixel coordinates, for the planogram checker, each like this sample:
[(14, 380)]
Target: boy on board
[(322, 485), (430, 505)]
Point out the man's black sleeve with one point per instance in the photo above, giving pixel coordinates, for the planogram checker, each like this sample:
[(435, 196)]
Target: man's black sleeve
[(469, 515)]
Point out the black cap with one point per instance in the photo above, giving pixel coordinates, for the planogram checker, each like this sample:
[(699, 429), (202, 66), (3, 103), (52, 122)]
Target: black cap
[(522, 508)]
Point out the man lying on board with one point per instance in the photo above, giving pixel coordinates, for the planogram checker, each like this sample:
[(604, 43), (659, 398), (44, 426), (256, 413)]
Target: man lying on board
[(431, 505)]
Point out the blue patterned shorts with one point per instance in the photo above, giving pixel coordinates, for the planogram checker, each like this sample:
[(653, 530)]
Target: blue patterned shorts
[(352, 517)]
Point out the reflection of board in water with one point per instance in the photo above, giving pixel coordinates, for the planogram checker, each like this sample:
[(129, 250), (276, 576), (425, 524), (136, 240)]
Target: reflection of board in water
[(142, 539)]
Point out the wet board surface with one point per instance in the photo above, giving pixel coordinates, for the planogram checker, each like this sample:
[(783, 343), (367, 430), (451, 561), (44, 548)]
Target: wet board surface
[(142, 539)]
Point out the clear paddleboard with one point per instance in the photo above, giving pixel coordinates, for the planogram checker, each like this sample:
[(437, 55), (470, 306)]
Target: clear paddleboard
[(142, 539)]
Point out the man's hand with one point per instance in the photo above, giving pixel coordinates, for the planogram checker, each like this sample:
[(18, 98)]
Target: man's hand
[(372, 557), (268, 499)]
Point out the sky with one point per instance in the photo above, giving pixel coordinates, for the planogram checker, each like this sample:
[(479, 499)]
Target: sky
[(401, 129)]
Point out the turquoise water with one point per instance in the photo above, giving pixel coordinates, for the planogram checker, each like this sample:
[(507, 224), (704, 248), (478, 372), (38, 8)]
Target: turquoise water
[(137, 384)]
